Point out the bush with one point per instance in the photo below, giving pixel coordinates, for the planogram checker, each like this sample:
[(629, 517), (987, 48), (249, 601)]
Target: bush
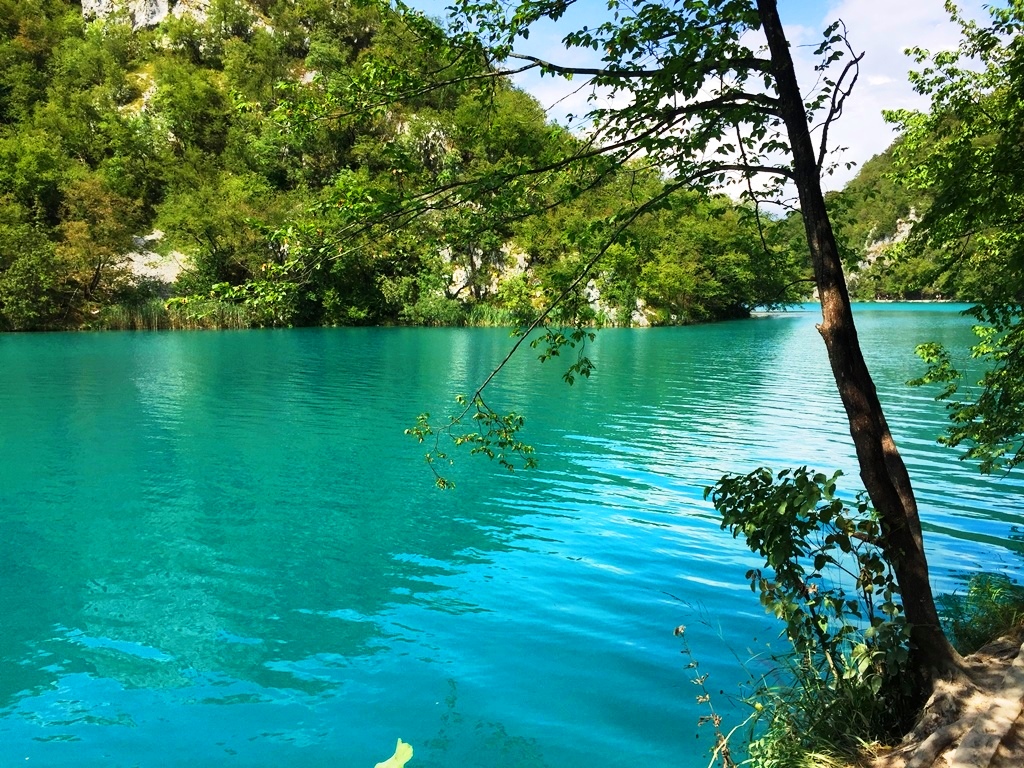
[(824, 575), (433, 309)]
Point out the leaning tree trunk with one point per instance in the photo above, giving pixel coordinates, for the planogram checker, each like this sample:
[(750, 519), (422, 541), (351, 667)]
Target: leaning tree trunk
[(881, 467)]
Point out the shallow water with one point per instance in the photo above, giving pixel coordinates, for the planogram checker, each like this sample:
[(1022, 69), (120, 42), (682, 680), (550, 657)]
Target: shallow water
[(221, 549)]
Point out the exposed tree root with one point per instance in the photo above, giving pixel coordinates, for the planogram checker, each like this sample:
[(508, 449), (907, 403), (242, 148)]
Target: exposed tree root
[(974, 720)]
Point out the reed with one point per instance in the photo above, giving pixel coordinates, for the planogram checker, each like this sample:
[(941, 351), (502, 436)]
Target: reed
[(207, 314), (150, 315)]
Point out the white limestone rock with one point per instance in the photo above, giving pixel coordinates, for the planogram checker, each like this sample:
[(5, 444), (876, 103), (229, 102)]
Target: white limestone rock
[(151, 266), (97, 9), (144, 13)]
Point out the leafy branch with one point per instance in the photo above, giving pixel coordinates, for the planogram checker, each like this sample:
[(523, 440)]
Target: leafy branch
[(501, 430), (990, 421)]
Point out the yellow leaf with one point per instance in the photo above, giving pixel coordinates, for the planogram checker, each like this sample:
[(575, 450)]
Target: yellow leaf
[(403, 754)]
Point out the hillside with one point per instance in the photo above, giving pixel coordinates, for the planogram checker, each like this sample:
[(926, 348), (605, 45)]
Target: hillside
[(252, 143), (887, 258)]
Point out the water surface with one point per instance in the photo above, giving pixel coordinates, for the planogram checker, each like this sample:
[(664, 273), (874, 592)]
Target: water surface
[(221, 549)]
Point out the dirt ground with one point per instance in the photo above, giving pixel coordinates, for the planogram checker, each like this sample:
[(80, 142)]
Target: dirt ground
[(976, 724)]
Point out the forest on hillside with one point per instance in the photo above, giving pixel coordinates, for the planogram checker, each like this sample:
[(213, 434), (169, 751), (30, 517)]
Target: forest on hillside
[(250, 137), (247, 146)]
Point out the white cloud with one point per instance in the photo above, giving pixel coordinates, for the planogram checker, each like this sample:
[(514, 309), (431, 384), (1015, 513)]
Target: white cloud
[(883, 29)]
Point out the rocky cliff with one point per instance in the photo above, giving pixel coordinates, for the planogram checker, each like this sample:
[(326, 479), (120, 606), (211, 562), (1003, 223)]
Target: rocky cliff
[(143, 13)]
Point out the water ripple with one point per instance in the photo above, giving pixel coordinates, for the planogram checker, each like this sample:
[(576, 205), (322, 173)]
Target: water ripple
[(227, 548)]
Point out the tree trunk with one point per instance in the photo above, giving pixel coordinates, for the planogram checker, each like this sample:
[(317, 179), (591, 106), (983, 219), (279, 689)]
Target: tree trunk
[(881, 467)]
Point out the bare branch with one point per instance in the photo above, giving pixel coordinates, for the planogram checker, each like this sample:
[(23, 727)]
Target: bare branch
[(839, 96), (748, 62)]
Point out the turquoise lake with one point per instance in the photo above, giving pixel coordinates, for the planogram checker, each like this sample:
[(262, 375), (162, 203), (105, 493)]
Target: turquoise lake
[(219, 548)]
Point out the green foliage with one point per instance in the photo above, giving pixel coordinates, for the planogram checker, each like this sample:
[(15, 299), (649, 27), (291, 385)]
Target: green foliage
[(991, 606), (434, 309), (826, 579), (496, 436), (273, 299), (27, 294), (990, 420), (30, 290), (554, 340), (873, 215), (32, 170), (875, 203), (322, 120), (967, 153), (194, 105), (196, 313), (515, 297)]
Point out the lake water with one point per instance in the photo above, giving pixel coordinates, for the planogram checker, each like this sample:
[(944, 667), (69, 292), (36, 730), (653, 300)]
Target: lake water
[(221, 549)]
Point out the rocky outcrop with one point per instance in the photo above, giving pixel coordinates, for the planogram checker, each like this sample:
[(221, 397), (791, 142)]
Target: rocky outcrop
[(144, 13), (874, 249), (159, 271)]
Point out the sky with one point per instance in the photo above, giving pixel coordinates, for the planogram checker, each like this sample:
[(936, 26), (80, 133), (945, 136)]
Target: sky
[(882, 29)]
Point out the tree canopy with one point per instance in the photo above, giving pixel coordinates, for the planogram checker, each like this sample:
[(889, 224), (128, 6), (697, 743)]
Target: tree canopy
[(967, 152), (258, 139), (707, 93)]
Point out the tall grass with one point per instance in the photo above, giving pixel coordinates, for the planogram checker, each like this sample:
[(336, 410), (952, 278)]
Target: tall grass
[(811, 722), (492, 316), (197, 314), (193, 313), (148, 316), (158, 315), (992, 605)]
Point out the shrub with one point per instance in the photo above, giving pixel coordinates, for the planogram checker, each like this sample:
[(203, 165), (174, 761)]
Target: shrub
[(825, 577)]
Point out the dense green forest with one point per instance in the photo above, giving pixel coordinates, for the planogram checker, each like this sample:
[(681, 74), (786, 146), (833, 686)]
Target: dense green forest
[(251, 138), (247, 145), (889, 258)]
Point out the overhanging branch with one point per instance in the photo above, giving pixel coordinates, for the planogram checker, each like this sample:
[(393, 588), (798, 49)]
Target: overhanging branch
[(761, 102), (707, 68)]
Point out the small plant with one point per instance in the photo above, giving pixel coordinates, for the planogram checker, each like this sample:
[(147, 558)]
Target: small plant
[(721, 753), (991, 606), (825, 577)]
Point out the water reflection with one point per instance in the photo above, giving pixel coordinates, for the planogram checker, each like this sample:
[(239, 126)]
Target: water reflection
[(214, 518)]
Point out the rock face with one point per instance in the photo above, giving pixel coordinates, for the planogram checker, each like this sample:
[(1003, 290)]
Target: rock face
[(876, 248), (157, 270), (143, 13)]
